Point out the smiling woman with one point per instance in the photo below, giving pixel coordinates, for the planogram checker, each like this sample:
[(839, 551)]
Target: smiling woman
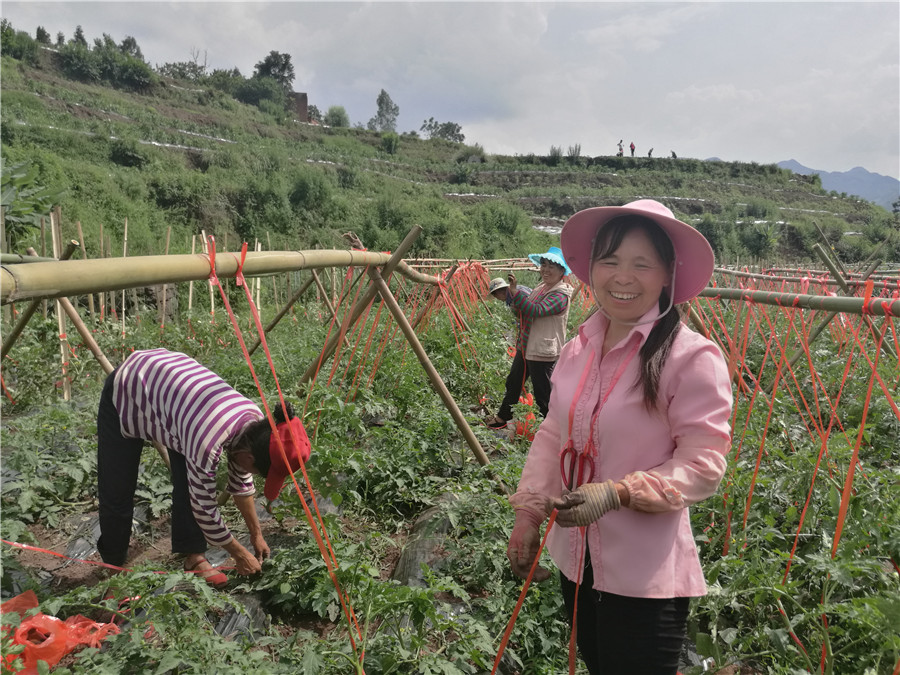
[(637, 431)]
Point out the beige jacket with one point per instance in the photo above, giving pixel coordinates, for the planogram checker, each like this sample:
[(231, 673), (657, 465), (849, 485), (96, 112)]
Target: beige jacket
[(548, 333)]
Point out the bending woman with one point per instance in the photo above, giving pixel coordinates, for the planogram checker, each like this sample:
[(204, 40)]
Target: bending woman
[(639, 419), (168, 397)]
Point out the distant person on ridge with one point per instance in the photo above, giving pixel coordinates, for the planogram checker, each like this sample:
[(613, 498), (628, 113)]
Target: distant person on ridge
[(632, 148), (674, 156), (543, 314), (621, 149), (650, 152)]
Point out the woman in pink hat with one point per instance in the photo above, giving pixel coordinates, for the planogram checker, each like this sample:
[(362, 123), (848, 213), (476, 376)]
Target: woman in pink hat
[(638, 430), (168, 397)]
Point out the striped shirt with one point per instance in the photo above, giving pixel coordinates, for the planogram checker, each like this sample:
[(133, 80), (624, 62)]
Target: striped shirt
[(168, 397), (538, 303)]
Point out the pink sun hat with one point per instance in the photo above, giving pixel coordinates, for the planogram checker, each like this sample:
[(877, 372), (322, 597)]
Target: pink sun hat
[(694, 258)]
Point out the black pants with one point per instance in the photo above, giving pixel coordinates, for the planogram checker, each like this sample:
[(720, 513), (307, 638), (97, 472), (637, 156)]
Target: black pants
[(118, 462), (521, 370), (619, 635)]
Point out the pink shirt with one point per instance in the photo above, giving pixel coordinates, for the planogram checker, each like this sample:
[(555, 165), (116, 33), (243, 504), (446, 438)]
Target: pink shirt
[(668, 459)]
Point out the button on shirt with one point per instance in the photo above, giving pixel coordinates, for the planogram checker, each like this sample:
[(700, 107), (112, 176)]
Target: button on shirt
[(668, 459)]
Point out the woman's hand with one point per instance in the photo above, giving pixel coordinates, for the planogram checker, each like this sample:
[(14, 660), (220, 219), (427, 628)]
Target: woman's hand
[(586, 504), (261, 547), (513, 284), (524, 543), (245, 562)]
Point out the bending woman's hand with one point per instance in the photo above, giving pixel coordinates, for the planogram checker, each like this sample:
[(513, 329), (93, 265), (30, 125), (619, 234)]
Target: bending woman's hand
[(586, 504)]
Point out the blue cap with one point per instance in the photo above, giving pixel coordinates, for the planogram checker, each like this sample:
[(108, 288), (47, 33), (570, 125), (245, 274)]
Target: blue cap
[(554, 254)]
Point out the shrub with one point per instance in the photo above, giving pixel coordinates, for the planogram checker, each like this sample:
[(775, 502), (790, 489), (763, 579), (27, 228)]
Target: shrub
[(336, 117), (127, 152), (390, 142), (258, 89)]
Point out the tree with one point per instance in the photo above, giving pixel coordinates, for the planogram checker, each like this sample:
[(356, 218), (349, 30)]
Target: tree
[(60, 39), (130, 47), (449, 131), (386, 117), (278, 67), (336, 117), (313, 114), (42, 36), (79, 38)]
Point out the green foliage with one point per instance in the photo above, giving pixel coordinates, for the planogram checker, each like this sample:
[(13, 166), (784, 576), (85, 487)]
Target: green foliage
[(17, 44), (24, 200), (385, 119), (390, 142), (106, 63), (447, 131), (278, 67), (259, 90), (336, 116)]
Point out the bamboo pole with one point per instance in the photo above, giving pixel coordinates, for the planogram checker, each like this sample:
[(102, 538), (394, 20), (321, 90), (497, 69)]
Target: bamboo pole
[(43, 255), (836, 262), (204, 246), (4, 251), (838, 304), (395, 260), (84, 254), (124, 255), (191, 285), (274, 279), (165, 287), (258, 279), (431, 371), (329, 305), (77, 277), (830, 263), (102, 295), (10, 338), (60, 319)]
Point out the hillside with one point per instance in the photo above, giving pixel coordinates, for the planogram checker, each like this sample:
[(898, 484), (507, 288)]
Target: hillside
[(187, 157)]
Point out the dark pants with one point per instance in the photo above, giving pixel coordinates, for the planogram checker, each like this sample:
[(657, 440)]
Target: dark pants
[(619, 635), (521, 370), (118, 463)]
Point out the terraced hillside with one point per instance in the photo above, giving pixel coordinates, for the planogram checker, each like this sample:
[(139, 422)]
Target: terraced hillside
[(192, 158)]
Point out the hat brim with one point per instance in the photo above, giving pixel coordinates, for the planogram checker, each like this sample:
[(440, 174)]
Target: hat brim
[(552, 257), (694, 257), (274, 482)]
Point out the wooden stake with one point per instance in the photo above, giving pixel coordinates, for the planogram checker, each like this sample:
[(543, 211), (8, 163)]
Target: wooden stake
[(124, 255), (433, 375), (191, 283), (165, 287), (60, 319), (84, 254)]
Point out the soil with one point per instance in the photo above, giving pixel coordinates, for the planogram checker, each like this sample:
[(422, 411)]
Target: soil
[(153, 548)]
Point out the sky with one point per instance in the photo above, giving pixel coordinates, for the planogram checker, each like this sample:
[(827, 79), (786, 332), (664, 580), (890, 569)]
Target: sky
[(817, 82)]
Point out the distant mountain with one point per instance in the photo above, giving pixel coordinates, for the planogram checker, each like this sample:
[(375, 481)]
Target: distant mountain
[(873, 187)]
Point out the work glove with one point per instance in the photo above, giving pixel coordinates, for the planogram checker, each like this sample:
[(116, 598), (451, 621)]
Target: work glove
[(524, 543), (586, 504)]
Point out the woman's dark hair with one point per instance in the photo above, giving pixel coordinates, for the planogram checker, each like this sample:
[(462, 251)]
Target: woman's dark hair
[(257, 434), (659, 342)]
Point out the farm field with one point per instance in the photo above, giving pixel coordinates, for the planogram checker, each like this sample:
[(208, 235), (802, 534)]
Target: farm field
[(800, 553)]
